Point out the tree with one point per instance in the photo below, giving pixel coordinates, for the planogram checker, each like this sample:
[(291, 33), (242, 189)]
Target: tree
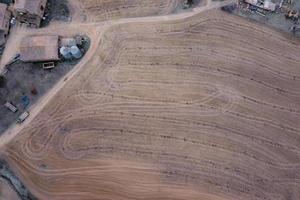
[(2, 81), (190, 2)]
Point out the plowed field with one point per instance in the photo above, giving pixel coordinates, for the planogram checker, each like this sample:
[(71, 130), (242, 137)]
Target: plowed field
[(196, 108)]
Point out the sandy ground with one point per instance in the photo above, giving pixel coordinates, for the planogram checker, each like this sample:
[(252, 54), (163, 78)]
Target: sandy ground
[(199, 105), (12, 45), (102, 10), (6, 192)]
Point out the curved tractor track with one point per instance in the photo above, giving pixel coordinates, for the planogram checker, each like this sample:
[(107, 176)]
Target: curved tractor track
[(204, 106), (101, 10)]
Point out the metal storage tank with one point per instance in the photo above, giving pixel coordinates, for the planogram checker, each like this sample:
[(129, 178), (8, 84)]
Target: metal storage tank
[(76, 53), (65, 52)]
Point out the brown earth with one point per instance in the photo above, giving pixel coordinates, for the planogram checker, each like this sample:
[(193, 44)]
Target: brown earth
[(100, 10), (7, 192), (204, 107)]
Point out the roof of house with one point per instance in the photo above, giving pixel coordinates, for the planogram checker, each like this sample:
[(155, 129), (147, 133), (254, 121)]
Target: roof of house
[(269, 5), (31, 6), (3, 13), (39, 48), (252, 2)]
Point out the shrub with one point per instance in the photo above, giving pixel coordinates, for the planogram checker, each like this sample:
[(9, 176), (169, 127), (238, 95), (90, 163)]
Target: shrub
[(2, 81)]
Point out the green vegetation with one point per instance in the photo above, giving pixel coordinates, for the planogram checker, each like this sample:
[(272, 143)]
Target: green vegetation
[(2, 81)]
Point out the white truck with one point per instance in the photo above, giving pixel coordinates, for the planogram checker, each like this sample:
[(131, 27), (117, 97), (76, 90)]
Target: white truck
[(23, 117), (11, 107)]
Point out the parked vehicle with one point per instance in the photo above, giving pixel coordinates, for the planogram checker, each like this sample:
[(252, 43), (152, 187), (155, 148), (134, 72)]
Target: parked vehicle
[(11, 107), (23, 117)]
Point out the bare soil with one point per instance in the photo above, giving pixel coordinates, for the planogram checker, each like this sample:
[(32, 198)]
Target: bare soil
[(99, 10), (6, 192), (57, 10), (195, 106)]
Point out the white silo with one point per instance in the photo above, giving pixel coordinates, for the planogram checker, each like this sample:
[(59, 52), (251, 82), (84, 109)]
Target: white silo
[(75, 51), (65, 52)]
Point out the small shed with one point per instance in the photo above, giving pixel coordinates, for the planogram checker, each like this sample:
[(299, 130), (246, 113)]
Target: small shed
[(30, 11), (269, 5), (39, 48), (266, 4), (252, 2), (5, 16)]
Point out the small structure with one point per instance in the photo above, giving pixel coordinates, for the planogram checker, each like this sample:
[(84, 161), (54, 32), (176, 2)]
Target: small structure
[(292, 14), (25, 101), (252, 2), (264, 4), (71, 48), (294, 29), (30, 12), (187, 4), (48, 65), (5, 16), (39, 48), (269, 5), (75, 51), (65, 51), (68, 42)]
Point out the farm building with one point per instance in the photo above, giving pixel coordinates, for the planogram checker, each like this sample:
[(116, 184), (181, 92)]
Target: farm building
[(5, 16), (266, 4), (252, 2), (269, 5), (39, 48), (30, 11)]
